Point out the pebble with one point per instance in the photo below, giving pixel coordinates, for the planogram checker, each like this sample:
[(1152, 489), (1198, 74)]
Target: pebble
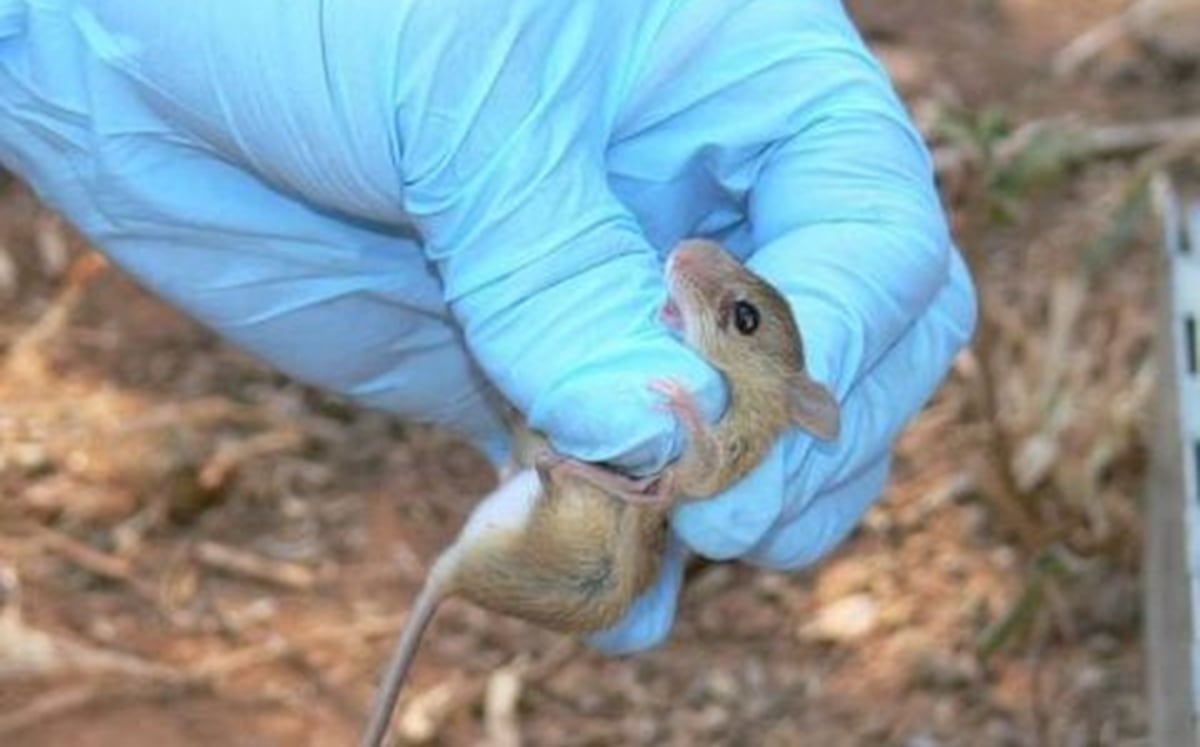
[(847, 619)]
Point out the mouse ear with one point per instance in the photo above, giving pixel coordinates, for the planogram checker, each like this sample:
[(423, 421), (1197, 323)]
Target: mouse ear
[(813, 408)]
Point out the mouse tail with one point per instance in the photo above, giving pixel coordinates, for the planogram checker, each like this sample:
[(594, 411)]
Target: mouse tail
[(398, 667)]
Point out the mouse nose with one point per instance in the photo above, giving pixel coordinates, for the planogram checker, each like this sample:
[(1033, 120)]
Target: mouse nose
[(695, 258), (682, 258)]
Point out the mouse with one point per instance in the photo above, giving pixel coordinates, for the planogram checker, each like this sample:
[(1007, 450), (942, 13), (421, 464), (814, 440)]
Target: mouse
[(568, 545)]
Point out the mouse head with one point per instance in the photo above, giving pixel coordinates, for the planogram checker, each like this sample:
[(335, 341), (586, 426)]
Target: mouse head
[(743, 326)]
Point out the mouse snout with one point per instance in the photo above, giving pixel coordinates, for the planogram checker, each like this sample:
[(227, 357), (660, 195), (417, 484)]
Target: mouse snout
[(670, 266), (695, 262), (686, 259), (681, 260)]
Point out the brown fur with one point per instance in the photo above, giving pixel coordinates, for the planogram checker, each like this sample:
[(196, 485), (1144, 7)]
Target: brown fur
[(575, 567)]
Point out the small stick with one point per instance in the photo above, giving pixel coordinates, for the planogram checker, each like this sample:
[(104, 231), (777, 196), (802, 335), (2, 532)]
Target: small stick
[(242, 563), (59, 703), (102, 564), (27, 651), (503, 693), (1084, 48), (153, 680), (1109, 141), (215, 667), (85, 556), (229, 457), (24, 355), (1083, 142), (1140, 18), (51, 706)]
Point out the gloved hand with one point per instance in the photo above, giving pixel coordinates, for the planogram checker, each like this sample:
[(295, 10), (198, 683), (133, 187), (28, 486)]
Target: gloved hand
[(401, 200)]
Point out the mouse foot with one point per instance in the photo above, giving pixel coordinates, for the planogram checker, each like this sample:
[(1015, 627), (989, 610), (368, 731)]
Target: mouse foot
[(654, 490)]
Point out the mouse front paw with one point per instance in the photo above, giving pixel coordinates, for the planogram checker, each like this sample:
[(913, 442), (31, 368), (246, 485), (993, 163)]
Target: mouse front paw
[(679, 401)]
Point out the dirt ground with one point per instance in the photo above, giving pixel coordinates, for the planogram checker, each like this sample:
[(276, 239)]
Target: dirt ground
[(196, 551)]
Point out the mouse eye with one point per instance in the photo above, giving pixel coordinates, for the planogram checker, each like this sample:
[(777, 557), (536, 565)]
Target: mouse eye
[(745, 317)]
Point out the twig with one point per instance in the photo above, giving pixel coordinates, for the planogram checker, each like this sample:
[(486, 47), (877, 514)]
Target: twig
[(111, 567), (201, 411), (148, 679), (1080, 142), (24, 358), (1087, 46), (52, 238), (222, 665), (59, 703), (26, 652), (1160, 158), (51, 706), (1037, 651), (997, 478), (422, 716), (242, 563), (501, 697), (93, 561), (229, 457), (85, 556), (1141, 20)]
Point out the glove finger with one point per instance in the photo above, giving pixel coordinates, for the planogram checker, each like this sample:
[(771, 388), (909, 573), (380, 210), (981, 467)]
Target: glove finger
[(824, 522), (649, 620), (863, 252), (726, 525), (856, 277), (834, 484), (877, 408)]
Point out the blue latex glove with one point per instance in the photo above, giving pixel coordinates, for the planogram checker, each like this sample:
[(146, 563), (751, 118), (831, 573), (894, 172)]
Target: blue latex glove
[(401, 200)]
